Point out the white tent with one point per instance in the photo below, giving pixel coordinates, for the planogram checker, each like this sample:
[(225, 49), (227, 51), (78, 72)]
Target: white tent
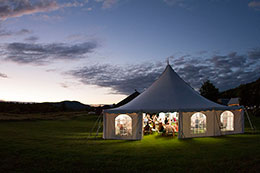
[(198, 116), (233, 101)]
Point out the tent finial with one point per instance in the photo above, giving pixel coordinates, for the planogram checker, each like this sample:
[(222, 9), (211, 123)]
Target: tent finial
[(168, 61)]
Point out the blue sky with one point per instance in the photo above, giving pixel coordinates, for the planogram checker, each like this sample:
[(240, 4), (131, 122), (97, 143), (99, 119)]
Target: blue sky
[(99, 51)]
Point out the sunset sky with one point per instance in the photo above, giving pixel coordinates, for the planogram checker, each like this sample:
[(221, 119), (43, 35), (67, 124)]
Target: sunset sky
[(99, 51)]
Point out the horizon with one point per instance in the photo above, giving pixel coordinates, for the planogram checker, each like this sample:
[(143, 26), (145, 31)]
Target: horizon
[(97, 104), (93, 105), (100, 51)]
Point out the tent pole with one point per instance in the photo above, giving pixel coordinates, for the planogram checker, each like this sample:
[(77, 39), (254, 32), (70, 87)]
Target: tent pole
[(99, 125), (247, 115), (90, 133)]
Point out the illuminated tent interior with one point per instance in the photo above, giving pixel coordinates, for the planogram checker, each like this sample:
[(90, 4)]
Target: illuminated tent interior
[(170, 103)]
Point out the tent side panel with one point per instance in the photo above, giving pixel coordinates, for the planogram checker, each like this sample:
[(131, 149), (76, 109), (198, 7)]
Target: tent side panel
[(108, 126), (180, 128), (217, 123), (210, 124), (110, 132), (238, 122), (185, 125), (139, 127)]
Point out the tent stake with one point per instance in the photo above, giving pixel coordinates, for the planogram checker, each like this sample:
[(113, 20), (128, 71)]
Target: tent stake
[(247, 115)]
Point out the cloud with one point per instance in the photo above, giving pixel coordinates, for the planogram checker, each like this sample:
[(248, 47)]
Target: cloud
[(23, 31), (225, 71), (122, 79), (254, 4), (31, 39), (40, 54), (47, 18), (6, 33), (68, 85), (254, 54), (64, 85), (202, 52), (107, 3), (17, 8), (2, 75), (74, 4)]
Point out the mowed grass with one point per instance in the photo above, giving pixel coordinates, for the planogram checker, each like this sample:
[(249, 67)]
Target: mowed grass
[(63, 146)]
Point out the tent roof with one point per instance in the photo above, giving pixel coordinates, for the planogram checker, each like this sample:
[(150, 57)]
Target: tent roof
[(169, 93), (233, 101), (127, 99)]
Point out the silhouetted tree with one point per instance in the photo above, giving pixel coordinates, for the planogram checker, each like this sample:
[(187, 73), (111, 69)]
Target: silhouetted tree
[(209, 91)]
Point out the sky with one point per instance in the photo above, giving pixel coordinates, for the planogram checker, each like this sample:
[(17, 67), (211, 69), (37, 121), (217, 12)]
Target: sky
[(100, 51)]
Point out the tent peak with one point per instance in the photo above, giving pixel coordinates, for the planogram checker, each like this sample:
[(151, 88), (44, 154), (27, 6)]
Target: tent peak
[(168, 61), (169, 67)]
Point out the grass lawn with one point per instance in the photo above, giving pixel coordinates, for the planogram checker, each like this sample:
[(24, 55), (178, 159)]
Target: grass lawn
[(62, 145)]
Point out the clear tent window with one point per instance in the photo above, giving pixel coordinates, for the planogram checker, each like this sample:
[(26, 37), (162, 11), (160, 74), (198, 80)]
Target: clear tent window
[(198, 123), (123, 125), (227, 121)]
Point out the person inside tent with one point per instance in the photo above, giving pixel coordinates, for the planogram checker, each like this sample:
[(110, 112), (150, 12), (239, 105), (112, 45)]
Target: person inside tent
[(145, 119), (176, 126), (161, 128), (169, 130), (166, 120), (147, 129)]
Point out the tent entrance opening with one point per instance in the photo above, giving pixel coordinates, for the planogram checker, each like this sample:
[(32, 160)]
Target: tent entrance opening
[(162, 123)]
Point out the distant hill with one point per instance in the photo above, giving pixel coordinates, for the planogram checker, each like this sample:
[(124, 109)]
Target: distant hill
[(19, 107), (249, 94), (71, 105)]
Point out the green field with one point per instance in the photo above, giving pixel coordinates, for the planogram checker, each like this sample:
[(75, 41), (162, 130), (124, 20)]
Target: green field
[(62, 146)]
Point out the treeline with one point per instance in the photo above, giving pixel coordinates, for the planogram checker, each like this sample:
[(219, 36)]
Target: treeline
[(24, 108), (249, 94), (16, 107)]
